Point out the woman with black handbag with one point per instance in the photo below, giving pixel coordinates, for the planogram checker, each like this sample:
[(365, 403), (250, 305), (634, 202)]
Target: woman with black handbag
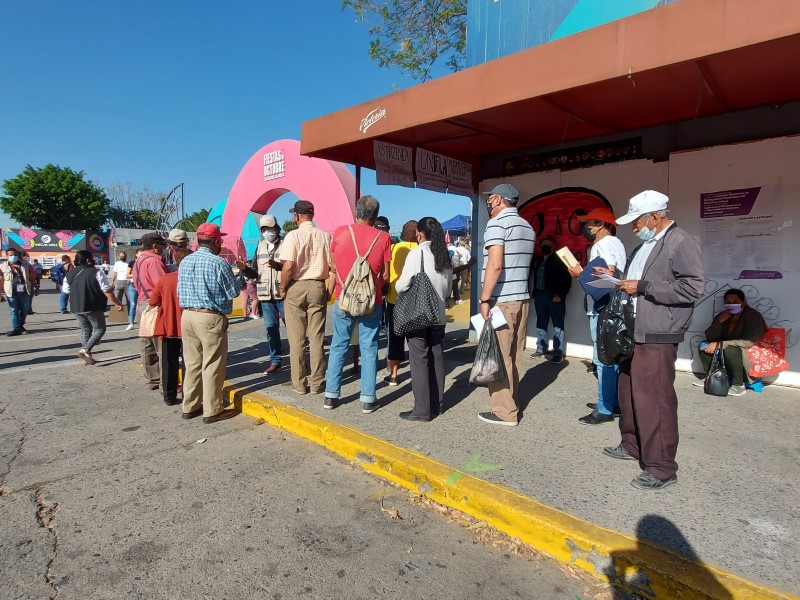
[(427, 276)]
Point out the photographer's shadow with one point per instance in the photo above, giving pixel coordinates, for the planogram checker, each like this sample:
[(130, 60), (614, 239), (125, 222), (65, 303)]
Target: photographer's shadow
[(629, 581)]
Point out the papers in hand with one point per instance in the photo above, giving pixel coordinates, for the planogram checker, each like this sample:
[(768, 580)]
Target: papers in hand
[(567, 257), (604, 281), (498, 320)]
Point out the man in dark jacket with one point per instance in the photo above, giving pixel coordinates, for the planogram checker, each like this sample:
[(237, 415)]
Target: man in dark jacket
[(549, 283), (664, 280)]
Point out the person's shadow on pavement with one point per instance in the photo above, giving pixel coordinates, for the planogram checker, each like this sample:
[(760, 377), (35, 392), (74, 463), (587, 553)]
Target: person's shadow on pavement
[(628, 582)]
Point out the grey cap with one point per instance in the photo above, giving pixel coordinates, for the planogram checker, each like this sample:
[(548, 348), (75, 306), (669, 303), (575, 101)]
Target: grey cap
[(506, 190)]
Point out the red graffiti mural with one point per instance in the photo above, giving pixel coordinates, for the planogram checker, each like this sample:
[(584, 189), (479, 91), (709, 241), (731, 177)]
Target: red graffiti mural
[(555, 213)]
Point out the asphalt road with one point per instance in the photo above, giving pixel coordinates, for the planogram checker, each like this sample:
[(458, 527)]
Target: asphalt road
[(108, 493)]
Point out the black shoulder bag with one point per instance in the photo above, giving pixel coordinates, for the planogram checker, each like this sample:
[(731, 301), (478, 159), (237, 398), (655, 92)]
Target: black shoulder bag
[(417, 307), (716, 383)]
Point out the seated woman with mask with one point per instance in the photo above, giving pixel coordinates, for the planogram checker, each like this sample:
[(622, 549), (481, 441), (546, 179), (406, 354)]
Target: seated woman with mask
[(738, 327)]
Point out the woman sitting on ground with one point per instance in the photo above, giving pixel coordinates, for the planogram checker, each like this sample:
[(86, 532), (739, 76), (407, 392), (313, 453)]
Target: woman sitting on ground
[(425, 346), (738, 327)]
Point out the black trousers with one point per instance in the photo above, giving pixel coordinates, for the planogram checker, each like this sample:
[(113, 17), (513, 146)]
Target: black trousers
[(426, 359), (171, 351)]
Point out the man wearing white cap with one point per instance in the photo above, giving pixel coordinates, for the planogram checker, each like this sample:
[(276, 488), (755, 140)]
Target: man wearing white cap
[(265, 268), (664, 279)]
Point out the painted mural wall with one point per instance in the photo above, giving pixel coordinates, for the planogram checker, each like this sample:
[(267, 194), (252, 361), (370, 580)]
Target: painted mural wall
[(738, 200), (496, 28)]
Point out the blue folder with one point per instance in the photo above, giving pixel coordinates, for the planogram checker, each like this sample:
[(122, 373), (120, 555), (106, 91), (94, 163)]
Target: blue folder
[(601, 296)]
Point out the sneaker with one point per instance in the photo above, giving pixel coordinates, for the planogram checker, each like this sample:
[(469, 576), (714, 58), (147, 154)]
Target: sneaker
[(14, 332), (737, 390), (538, 354), (129, 327), (493, 419), (616, 412), (699, 383), (87, 358), (647, 481), (392, 381), (330, 403), (618, 452), (369, 407), (596, 418), (459, 301)]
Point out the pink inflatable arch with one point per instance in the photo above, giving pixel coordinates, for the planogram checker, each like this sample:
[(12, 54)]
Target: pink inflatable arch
[(279, 168)]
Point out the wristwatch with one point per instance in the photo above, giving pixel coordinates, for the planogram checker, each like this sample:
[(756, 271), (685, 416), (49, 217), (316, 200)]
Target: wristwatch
[(486, 301)]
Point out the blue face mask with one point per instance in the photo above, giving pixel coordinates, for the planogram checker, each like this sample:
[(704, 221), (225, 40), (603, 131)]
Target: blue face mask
[(13, 259), (644, 233)]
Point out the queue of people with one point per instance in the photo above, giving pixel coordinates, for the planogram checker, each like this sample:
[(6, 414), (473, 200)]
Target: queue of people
[(364, 272)]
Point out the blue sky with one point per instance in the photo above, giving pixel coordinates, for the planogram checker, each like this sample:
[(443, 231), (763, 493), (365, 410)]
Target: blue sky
[(159, 93)]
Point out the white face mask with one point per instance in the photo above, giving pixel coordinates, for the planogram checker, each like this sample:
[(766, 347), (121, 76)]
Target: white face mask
[(270, 236)]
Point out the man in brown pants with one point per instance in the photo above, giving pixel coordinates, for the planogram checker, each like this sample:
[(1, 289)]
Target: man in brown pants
[(664, 280), (508, 249), (305, 254)]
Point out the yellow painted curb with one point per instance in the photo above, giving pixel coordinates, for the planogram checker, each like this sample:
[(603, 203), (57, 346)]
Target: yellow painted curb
[(643, 567)]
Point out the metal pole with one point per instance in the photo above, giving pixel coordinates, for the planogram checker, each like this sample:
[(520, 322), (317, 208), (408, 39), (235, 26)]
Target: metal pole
[(358, 182)]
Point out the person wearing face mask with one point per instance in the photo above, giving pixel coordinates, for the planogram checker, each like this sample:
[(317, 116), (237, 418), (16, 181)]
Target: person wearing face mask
[(146, 272), (599, 229), (18, 285), (664, 279), (206, 289), (549, 284), (265, 268), (738, 327), (509, 241)]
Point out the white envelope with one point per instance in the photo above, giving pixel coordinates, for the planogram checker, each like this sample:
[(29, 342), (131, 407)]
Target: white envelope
[(498, 320)]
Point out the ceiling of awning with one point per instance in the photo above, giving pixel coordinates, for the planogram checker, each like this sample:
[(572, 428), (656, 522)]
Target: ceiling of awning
[(686, 60)]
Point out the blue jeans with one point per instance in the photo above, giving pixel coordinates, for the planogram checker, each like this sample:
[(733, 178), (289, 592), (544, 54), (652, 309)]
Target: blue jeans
[(18, 305), (368, 327), (546, 311), (606, 376), (63, 299), (271, 311), (133, 298)]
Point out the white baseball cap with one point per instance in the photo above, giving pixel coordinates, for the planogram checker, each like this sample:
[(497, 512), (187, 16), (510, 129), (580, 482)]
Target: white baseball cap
[(267, 221), (643, 203)]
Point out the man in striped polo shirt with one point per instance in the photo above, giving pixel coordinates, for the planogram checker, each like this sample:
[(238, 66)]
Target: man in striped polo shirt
[(507, 252)]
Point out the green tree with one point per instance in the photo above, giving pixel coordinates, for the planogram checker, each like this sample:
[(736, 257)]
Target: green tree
[(194, 220), (133, 219), (288, 225), (54, 197), (414, 35)]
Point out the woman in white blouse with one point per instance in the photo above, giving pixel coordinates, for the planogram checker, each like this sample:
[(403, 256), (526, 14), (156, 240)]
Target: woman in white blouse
[(425, 346)]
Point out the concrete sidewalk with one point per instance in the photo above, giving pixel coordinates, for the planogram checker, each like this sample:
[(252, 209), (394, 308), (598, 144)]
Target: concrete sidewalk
[(733, 505)]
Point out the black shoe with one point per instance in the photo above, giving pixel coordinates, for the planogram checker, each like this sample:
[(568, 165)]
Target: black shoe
[(591, 368), (616, 412), (596, 418), (14, 332), (410, 416), (557, 359), (172, 402), (193, 414)]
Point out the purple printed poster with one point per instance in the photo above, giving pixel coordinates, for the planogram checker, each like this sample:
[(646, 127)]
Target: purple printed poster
[(730, 203)]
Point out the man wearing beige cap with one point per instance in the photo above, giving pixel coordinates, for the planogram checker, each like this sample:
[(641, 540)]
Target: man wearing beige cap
[(265, 268), (305, 254), (178, 245), (664, 280)]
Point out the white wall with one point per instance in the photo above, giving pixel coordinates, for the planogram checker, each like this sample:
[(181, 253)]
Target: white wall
[(770, 164)]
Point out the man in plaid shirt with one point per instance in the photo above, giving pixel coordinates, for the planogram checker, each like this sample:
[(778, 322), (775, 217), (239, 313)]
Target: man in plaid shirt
[(206, 289)]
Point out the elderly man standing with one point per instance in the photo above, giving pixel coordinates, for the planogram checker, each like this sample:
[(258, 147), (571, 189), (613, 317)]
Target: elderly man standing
[(146, 272), (265, 268), (305, 254), (206, 289), (665, 279), (349, 243), (178, 247), (508, 249)]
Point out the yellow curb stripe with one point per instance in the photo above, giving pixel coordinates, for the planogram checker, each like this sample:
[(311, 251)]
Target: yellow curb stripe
[(644, 567)]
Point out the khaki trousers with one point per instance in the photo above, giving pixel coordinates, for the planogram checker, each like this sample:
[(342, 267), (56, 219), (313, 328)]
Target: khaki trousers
[(511, 339), (205, 357), (306, 311), (150, 360)]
